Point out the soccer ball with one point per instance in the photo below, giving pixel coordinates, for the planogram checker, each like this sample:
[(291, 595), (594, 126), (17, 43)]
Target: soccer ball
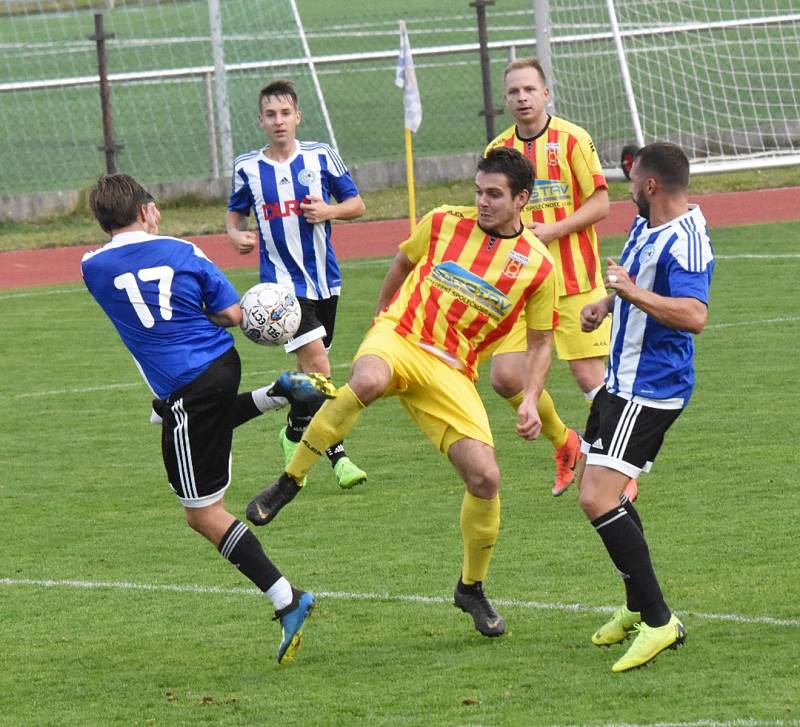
[(270, 314)]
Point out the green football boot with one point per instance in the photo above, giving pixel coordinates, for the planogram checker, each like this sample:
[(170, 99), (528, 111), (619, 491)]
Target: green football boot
[(617, 628)]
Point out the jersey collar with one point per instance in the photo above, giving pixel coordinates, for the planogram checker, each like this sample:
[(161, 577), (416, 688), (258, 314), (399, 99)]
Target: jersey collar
[(533, 138), (289, 160)]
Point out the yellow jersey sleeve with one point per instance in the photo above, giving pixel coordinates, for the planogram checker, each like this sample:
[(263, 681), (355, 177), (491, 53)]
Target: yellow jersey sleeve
[(418, 241), (541, 312), (586, 166)]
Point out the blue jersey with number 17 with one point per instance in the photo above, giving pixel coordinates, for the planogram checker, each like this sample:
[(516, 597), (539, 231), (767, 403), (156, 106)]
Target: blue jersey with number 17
[(293, 252), (157, 291)]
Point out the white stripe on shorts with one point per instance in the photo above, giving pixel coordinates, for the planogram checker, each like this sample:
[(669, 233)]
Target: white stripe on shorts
[(624, 429), (183, 451)]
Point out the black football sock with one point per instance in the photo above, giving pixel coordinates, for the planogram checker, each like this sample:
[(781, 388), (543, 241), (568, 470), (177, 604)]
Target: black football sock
[(297, 420), (628, 549), (244, 409), (634, 515), (244, 551), (630, 597), (335, 453)]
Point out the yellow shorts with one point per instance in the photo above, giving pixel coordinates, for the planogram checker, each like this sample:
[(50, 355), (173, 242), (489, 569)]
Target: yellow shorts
[(443, 402), (570, 341)]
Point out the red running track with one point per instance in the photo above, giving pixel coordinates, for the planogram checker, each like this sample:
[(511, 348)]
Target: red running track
[(375, 239)]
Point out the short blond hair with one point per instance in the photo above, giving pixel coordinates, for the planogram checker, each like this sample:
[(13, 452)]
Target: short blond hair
[(525, 63)]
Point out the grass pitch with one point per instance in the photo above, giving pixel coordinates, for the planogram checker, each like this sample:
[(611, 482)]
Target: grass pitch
[(115, 613)]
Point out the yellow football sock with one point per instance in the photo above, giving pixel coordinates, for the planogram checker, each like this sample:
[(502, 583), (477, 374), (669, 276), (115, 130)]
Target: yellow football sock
[(480, 523), (331, 424), (552, 427)]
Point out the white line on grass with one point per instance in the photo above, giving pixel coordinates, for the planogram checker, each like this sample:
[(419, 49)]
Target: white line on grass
[(80, 390), (711, 723), (764, 322), (353, 596), (37, 293), (760, 256), (116, 387)]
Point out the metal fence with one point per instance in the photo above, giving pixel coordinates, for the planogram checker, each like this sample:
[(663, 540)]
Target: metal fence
[(161, 73), (722, 78)]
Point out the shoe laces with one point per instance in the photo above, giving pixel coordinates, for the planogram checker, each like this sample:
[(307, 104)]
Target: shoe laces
[(476, 590)]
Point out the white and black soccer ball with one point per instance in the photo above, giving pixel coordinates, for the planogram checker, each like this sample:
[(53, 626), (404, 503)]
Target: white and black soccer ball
[(270, 314)]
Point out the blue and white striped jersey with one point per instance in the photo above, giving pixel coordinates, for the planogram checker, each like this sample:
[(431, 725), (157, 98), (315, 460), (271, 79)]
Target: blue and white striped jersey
[(294, 253), (649, 362), (157, 291)]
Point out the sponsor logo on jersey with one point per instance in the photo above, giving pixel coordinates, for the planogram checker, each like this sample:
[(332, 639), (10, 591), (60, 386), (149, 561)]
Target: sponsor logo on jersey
[(279, 210), (491, 242), (548, 193), (470, 289), (307, 177), (284, 180)]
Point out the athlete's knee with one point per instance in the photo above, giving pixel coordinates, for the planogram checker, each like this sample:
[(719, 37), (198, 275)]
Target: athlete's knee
[(588, 372), (370, 378), (483, 480), (507, 374), (197, 519), (594, 499)]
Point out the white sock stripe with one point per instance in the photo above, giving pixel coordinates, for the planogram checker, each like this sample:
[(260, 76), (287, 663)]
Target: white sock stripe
[(621, 512), (233, 540)]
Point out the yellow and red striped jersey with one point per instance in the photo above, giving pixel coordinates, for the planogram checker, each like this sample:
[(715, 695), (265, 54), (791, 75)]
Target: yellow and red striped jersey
[(468, 287), (568, 171)]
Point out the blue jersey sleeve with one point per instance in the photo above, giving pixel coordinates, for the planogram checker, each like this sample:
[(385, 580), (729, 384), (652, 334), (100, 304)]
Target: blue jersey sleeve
[(689, 278), (342, 185), (217, 291), (241, 199)]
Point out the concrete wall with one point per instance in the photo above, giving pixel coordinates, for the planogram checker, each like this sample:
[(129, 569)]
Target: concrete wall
[(369, 177)]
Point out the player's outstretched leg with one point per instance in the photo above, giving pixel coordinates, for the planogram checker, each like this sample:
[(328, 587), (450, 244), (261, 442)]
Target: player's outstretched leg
[(472, 600), (650, 642), (295, 387), (270, 501), (292, 619)]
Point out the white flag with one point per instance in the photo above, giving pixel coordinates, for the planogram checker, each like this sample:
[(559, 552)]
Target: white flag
[(406, 78)]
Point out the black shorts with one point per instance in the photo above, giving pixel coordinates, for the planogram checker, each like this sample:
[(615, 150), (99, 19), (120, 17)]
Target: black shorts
[(317, 321), (623, 435), (197, 432)]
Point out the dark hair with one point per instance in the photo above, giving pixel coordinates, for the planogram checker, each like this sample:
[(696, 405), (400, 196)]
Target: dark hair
[(525, 63), (667, 163), (508, 161), (115, 200), (280, 87)]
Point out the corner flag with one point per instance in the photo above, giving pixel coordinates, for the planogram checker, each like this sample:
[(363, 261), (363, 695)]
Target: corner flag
[(405, 77)]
